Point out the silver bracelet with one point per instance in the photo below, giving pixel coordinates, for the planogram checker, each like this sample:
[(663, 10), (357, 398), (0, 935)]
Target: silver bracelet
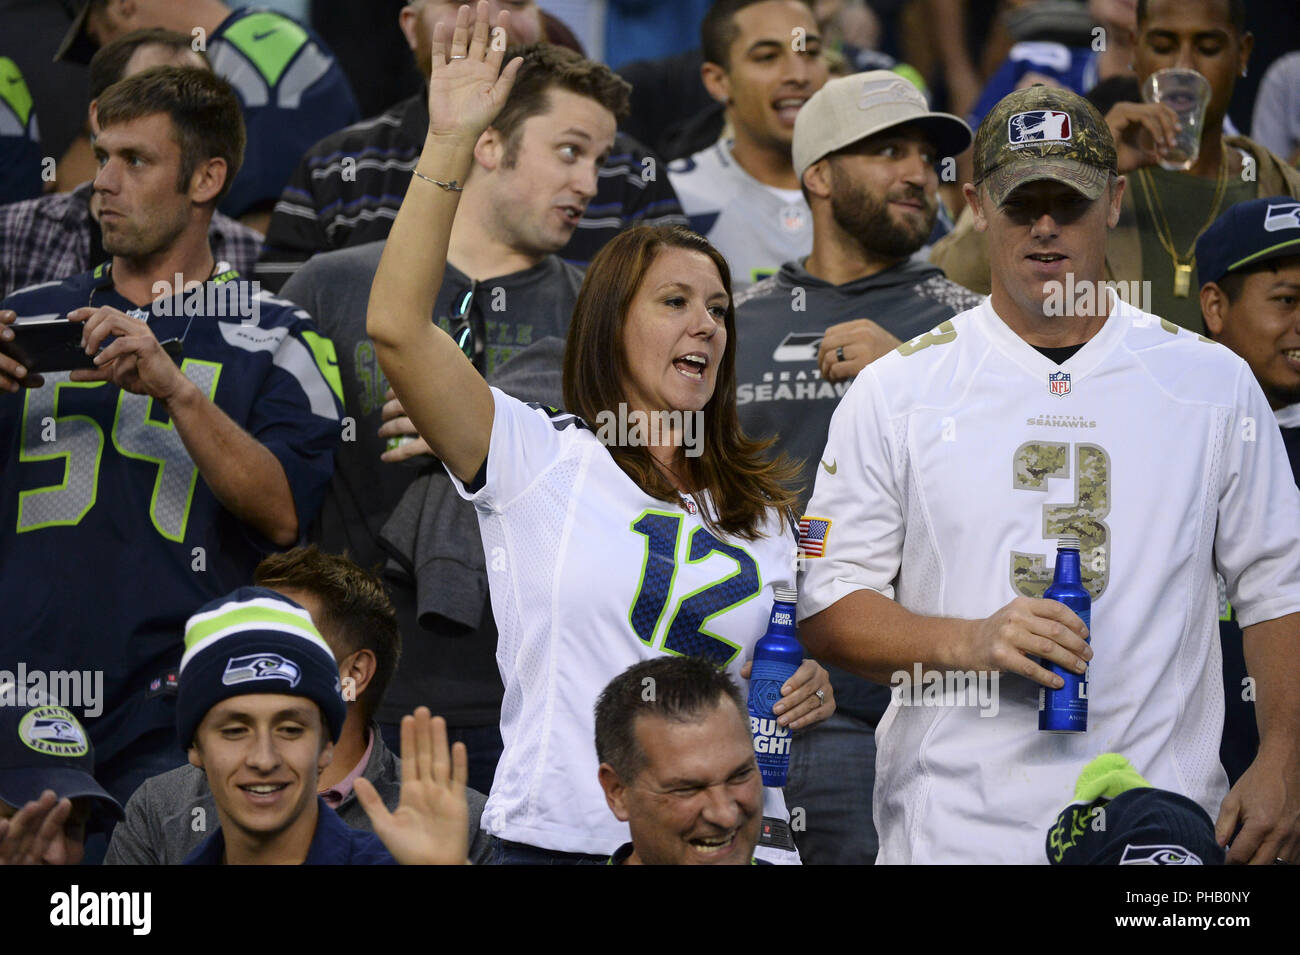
[(449, 186)]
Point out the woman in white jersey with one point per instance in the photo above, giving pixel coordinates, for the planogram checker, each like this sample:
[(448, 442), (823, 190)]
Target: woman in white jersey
[(658, 536)]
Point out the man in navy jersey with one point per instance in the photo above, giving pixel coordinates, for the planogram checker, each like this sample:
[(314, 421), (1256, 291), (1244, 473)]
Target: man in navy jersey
[(134, 492), (291, 89)]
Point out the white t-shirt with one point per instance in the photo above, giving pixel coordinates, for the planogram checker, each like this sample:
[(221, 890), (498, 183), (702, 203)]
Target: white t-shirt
[(958, 461), (589, 575), (756, 227)]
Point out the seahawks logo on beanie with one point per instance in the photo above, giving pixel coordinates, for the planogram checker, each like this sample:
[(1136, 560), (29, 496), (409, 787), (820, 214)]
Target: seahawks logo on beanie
[(260, 666), (255, 641)]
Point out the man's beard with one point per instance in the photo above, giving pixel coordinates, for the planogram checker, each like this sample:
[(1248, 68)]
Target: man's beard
[(870, 223), (140, 241)]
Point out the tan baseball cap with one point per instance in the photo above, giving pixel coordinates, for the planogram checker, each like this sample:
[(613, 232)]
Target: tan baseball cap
[(851, 108), (1043, 132)]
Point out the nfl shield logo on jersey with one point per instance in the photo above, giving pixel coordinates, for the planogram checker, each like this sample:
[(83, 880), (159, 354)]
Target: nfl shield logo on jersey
[(1038, 126), (793, 217), (1058, 383)]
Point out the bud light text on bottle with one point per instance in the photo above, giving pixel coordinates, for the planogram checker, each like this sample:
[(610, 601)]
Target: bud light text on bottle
[(777, 655)]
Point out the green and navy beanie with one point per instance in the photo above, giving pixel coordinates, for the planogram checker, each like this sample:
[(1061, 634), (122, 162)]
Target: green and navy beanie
[(255, 641)]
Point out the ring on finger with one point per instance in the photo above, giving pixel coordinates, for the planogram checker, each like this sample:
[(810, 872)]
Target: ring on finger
[(461, 56), (821, 697), (839, 353)]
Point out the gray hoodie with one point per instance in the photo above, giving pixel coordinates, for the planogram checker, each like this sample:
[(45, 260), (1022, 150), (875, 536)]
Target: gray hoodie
[(780, 323)]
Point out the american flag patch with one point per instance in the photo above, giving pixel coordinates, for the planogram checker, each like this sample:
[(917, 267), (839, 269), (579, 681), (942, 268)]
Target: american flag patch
[(812, 536)]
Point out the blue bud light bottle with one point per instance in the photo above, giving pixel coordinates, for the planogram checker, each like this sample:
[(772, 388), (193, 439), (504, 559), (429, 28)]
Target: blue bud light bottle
[(777, 655), (1066, 710)]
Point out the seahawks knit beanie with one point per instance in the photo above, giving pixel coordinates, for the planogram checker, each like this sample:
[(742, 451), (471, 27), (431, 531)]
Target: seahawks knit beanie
[(254, 641)]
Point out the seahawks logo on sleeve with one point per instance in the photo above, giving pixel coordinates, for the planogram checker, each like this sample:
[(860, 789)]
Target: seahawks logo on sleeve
[(560, 420)]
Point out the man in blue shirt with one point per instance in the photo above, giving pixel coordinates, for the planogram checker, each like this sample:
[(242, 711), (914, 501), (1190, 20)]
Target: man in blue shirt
[(184, 470), (291, 89)]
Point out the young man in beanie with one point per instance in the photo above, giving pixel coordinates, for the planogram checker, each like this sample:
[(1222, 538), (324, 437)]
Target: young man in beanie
[(260, 708), (47, 790), (355, 616), (964, 455)]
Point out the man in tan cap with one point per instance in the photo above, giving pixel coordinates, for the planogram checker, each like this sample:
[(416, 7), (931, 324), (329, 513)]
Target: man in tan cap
[(865, 149), (956, 462)]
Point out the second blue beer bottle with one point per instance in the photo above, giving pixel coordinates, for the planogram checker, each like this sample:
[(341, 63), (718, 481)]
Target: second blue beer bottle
[(1066, 710), (777, 655)]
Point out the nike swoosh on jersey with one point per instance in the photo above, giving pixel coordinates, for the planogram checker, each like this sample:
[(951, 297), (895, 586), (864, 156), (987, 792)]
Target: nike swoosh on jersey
[(263, 36), (830, 468)]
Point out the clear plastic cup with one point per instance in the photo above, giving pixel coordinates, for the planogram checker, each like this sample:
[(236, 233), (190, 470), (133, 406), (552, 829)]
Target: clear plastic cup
[(1187, 93)]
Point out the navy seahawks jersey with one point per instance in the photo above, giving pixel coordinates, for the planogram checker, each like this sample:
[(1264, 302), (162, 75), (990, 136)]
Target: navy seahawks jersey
[(109, 536), (20, 138), (292, 92)]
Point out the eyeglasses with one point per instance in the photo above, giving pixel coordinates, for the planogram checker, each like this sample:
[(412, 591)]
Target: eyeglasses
[(469, 340)]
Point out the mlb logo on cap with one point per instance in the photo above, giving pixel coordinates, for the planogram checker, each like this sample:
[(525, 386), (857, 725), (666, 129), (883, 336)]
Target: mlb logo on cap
[(1058, 383), (1038, 126)]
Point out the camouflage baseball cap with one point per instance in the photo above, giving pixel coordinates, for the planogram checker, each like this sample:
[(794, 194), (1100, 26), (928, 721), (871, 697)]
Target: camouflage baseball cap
[(1043, 132)]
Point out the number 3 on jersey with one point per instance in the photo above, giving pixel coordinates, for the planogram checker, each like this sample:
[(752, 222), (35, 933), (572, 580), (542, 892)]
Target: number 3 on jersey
[(1034, 463), (79, 441), (685, 634)]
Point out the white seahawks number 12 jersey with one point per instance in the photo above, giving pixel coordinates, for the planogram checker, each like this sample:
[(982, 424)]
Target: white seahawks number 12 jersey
[(958, 460), (589, 575)]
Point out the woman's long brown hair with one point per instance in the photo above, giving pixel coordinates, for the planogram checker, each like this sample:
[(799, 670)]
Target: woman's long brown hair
[(742, 481)]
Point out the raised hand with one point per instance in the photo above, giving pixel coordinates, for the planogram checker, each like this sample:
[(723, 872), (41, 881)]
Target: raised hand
[(26, 836), (467, 86), (431, 824)]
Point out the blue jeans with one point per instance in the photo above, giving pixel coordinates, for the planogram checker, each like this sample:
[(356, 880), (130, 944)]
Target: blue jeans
[(832, 773), (483, 745), (516, 853)]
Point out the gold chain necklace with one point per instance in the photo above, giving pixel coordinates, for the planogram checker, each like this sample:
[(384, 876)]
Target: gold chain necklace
[(1183, 264)]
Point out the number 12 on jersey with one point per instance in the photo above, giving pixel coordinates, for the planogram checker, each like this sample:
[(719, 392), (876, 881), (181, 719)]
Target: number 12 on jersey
[(685, 634)]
